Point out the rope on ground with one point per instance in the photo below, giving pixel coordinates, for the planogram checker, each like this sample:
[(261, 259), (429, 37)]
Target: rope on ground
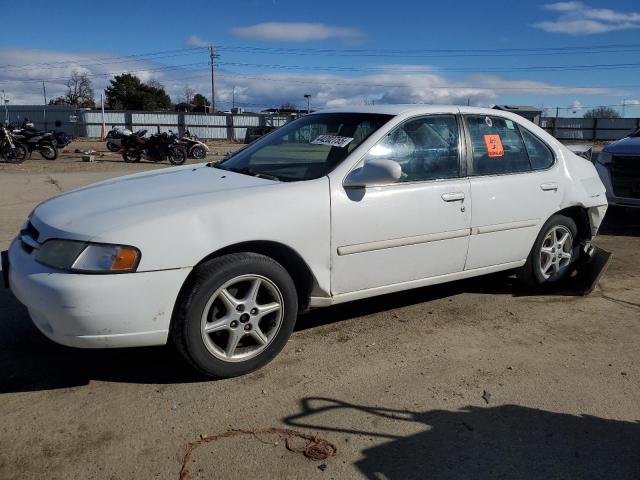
[(314, 448)]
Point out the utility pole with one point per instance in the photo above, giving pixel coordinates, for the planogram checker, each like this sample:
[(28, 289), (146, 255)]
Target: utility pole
[(212, 57), (233, 97), (6, 111), (44, 109), (308, 96), (624, 104)]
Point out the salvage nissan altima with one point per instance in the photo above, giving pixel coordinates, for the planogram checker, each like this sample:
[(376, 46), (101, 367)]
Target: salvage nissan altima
[(336, 206)]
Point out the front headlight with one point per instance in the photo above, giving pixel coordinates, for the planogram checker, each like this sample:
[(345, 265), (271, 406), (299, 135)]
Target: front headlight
[(88, 257), (604, 158)]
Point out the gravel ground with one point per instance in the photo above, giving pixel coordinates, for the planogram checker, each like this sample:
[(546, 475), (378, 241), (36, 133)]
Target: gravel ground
[(473, 379)]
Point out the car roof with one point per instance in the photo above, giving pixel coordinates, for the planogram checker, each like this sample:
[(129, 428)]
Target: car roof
[(413, 109)]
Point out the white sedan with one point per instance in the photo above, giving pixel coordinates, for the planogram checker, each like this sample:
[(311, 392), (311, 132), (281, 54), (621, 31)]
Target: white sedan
[(336, 206)]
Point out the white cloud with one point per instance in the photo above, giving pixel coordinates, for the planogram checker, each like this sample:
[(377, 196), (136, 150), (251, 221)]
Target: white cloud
[(633, 101), (577, 18), (390, 84), (576, 106), (195, 41), (294, 32)]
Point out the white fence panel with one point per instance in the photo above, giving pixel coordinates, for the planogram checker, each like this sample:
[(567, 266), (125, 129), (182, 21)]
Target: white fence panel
[(214, 133), (205, 120)]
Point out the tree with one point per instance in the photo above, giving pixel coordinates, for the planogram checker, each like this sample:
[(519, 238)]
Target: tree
[(188, 96), (61, 100), (602, 112), (287, 107), (128, 92), (200, 100), (79, 91)]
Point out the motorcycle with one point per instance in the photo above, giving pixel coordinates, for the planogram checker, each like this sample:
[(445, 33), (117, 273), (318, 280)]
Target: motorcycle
[(157, 148), (33, 139), (10, 150), (114, 138), (195, 148)]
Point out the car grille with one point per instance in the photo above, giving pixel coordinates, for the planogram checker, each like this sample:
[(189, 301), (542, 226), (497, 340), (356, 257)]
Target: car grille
[(625, 176), (29, 237)]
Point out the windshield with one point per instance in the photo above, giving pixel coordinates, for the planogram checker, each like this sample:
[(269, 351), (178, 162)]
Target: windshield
[(307, 148)]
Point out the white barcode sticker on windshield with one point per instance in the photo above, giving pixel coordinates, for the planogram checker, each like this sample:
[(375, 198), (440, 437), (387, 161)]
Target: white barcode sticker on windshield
[(332, 140)]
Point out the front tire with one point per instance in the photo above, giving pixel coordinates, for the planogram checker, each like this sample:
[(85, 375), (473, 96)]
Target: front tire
[(112, 147), (550, 259), (235, 314)]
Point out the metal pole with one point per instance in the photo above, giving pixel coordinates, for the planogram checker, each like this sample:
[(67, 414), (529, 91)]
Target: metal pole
[(6, 111), (233, 98), (44, 110), (212, 56), (104, 128), (624, 104)]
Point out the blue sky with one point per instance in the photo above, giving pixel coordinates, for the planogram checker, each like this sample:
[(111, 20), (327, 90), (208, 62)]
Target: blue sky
[(345, 52)]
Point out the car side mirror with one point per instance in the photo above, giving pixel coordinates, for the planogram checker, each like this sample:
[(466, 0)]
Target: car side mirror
[(374, 173)]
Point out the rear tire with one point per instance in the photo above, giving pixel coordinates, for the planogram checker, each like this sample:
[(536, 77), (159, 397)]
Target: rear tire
[(131, 156), (177, 156), (219, 325), (199, 152), (552, 254), (48, 151)]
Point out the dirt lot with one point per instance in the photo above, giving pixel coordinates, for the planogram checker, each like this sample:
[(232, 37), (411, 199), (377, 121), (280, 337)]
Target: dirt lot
[(396, 383)]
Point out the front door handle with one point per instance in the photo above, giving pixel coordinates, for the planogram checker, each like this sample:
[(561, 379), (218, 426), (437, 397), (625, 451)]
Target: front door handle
[(549, 186), (453, 196)]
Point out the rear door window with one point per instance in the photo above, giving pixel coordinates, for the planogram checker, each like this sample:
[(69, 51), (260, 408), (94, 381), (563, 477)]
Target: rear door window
[(498, 147)]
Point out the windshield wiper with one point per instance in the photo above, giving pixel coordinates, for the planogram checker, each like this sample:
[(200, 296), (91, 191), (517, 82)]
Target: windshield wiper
[(248, 171)]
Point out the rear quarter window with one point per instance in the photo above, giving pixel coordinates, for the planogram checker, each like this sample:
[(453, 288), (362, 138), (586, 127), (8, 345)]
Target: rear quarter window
[(540, 155)]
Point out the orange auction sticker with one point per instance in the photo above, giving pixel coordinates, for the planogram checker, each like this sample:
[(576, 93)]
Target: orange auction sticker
[(494, 145)]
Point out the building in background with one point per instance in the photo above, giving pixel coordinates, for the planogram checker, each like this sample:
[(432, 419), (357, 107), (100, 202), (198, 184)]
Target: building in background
[(532, 114)]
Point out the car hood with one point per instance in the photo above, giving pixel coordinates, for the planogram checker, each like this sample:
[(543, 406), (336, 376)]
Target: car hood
[(627, 145), (88, 211)]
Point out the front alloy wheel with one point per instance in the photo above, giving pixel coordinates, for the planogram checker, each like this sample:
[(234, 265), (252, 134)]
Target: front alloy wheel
[(242, 318), (235, 314)]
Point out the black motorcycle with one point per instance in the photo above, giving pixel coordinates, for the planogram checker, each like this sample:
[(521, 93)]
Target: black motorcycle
[(10, 150), (32, 139), (157, 148)]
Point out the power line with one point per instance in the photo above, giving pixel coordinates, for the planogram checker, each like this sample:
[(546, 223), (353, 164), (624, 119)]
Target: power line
[(134, 55), (630, 48), (433, 70)]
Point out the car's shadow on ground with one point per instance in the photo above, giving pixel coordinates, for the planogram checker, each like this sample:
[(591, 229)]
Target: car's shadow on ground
[(30, 362), (507, 441)]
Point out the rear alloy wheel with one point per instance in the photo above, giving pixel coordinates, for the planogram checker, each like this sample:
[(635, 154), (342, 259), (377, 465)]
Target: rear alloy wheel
[(235, 314), (552, 254)]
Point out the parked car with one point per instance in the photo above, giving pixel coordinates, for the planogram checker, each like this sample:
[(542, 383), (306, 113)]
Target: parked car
[(335, 206), (619, 168)]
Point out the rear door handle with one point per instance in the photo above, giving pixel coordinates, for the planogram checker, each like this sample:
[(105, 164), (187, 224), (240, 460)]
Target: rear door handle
[(453, 196), (549, 186)]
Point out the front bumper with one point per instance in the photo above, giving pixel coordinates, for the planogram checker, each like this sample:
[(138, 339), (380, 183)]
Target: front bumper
[(95, 311), (612, 199)]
